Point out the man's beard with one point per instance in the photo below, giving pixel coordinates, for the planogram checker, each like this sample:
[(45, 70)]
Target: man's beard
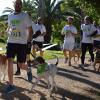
[(17, 11)]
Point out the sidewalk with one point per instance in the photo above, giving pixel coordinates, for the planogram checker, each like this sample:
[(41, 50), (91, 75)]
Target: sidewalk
[(72, 82)]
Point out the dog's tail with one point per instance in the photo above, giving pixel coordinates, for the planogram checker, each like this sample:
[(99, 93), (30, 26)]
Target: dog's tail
[(57, 60)]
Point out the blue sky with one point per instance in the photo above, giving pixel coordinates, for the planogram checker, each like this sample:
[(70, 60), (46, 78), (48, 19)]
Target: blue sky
[(5, 3)]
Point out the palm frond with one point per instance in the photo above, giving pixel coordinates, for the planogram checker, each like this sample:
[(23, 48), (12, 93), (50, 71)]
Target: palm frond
[(56, 6), (8, 9)]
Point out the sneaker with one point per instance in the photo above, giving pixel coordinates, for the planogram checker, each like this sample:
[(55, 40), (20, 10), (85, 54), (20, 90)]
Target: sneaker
[(10, 89), (29, 74), (82, 66)]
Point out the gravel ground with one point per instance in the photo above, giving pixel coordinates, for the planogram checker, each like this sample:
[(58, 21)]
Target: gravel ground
[(73, 84)]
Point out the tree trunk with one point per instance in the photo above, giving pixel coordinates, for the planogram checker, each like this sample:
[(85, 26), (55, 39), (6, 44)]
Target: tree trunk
[(41, 9), (48, 26), (46, 21)]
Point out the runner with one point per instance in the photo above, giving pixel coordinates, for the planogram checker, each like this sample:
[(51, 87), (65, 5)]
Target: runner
[(69, 40), (18, 25), (40, 29), (87, 30)]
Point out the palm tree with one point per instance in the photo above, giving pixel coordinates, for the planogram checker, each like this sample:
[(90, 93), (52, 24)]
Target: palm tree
[(8, 10), (28, 5), (49, 10)]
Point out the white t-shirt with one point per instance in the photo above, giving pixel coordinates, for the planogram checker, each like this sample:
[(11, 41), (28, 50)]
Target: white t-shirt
[(87, 30), (18, 24), (67, 31), (40, 27)]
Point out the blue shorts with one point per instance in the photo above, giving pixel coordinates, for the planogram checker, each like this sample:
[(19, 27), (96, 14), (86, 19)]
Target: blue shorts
[(18, 50)]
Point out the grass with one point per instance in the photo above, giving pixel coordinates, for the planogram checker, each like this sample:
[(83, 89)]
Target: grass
[(48, 54)]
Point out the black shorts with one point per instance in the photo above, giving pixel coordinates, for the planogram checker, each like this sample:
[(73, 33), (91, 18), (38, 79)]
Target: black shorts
[(96, 44), (28, 50), (18, 50), (39, 44)]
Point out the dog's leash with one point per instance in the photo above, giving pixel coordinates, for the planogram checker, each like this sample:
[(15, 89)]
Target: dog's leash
[(32, 55)]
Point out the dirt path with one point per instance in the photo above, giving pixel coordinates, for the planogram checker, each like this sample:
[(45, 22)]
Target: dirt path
[(73, 84)]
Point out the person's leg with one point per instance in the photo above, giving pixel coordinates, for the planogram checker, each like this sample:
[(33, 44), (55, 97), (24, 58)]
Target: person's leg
[(34, 51), (18, 72), (28, 51), (70, 56), (90, 48), (10, 70), (11, 50), (21, 56), (40, 46), (65, 49), (41, 52), (34, 47), (65, 55), (10, 88), (71, 47), (83, 48)]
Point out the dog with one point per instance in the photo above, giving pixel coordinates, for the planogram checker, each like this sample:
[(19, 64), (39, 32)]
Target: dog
[(3, 66), (75, 53), (50, 71), (97, 61)]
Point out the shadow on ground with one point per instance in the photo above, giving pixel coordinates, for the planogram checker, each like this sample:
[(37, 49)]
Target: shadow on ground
[(20, 95), (68, 74)]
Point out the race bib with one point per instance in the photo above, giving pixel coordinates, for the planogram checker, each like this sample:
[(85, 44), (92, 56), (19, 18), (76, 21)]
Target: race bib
[(15, 33)]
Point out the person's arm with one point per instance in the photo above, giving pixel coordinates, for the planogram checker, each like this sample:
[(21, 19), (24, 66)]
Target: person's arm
[(43, 34), (63, 31), (30, 31), (44, 30), (74, 31), (81, 34), (28, 22), (94, 33), (97, 35)]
